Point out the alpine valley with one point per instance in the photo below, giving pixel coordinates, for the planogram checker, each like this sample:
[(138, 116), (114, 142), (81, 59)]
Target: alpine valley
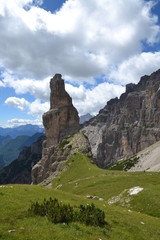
[(110, 162)]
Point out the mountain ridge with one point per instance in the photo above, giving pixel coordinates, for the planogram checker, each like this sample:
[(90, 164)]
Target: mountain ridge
[(126, 125), (19, 170), (27, 129)]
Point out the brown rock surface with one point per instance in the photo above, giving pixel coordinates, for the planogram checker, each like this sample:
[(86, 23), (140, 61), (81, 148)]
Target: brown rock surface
[(127, 125), (60, 122), (62, 119)]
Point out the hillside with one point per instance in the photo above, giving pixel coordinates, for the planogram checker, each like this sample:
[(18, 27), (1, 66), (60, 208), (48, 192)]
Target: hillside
[(10, 148), (127, 215), (19, 171), (3, 141), (149, 159)]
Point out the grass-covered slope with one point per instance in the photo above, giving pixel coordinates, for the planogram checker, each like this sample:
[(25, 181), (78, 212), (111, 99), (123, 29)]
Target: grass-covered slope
[(129, 216)]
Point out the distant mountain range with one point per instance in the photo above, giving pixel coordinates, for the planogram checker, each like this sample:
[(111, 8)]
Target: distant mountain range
[(85, 118), (12, 140), (25, 130), (10, 148), (19, 170), (122, 129)]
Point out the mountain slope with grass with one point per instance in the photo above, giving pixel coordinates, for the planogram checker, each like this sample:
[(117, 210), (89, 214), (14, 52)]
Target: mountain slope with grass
[(130, 202)]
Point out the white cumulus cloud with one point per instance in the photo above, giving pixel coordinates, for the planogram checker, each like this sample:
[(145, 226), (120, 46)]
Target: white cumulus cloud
[(37, 108), (82, 39), (132, 69), (38, 88), (18, 122), (19, 103), (92, 100)]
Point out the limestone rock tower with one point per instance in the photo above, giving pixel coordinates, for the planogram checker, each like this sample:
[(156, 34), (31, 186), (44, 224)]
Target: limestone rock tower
[(62, 119), (59, 122)]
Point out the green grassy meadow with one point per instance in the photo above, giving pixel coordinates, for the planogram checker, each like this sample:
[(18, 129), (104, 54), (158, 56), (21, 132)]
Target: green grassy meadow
[(128, 216)]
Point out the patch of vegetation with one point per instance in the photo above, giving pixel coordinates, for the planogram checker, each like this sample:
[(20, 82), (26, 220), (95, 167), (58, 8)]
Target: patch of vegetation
[(125, 165), (90, 215), (138, 219), (57, 212), (64, 143), (70, 146)]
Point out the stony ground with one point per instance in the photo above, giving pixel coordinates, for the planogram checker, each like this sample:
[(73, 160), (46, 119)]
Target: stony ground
[(149, 159)]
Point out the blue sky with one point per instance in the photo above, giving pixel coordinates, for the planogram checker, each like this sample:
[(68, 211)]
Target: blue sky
[(97, 46)]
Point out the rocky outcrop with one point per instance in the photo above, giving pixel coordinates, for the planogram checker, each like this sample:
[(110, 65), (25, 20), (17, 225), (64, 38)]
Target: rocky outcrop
[(127, 125), (60, 122), (19, 171), (62, 119), (54, 158)]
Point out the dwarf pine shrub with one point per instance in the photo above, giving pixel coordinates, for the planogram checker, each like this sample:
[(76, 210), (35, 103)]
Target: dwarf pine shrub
[(57, 212), (90, 215)]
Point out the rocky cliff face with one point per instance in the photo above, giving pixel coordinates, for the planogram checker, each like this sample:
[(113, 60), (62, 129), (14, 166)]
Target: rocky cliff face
[(127, 125), (54, 158), (60, 122), (19, 171), (62, 119)]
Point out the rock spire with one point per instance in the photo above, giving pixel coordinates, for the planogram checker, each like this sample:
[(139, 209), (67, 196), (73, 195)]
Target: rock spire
[(60, 122), (62, 119)]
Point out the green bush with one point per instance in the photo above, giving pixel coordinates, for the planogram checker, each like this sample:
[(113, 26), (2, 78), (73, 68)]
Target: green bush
[(125, 165), (64, 213), (90, 215)]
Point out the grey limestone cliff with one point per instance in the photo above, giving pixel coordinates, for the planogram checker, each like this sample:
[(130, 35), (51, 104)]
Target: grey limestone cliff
[(127, 125)]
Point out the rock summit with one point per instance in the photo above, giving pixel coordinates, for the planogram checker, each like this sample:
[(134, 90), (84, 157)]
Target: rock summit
[(60, 122), (62, 119)]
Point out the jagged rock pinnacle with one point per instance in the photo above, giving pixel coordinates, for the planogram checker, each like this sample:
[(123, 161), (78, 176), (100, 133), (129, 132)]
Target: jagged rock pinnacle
[(59, 97), (59, 122), (62, 119)]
